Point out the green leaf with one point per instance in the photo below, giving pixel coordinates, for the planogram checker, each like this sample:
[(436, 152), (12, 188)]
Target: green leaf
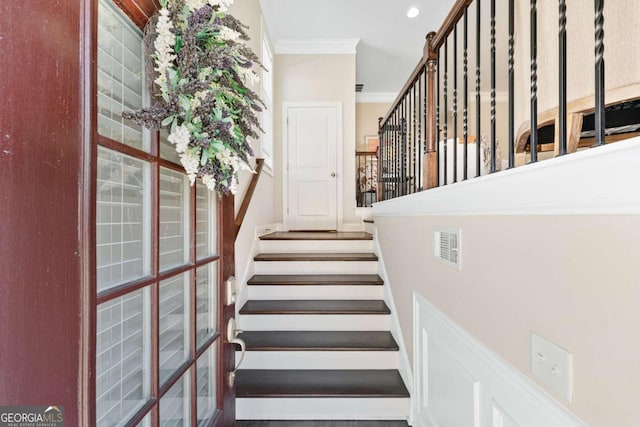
[(167, 120), (163, 3), (203, 158), (184, 102), (178, 43)]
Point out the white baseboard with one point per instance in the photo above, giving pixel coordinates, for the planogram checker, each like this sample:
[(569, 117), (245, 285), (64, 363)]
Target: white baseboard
[(315, 267), (404, 366), (309, 408), (319, 360), (460, 381)]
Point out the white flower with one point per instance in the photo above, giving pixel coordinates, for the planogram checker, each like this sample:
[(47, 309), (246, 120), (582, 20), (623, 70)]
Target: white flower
[(164, 43), (195, 4), (249, 77), (180, 138), (209, 181), (191, 163), (229, 34)]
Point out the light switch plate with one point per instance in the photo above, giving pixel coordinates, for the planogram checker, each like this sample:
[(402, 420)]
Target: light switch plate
[(552, 365)]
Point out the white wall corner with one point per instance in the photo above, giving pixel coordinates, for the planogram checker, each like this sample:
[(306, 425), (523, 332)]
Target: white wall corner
[(316, 46), (404, 366), (375, 97)]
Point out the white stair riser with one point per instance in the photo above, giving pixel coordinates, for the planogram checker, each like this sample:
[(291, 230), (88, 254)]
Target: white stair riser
[(319, 360), (312, 246), (314, 322), (310, 408), (308, 292), (316, 267)]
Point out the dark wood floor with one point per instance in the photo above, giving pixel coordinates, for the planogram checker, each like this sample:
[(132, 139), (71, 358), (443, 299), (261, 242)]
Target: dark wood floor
[(321, 424)]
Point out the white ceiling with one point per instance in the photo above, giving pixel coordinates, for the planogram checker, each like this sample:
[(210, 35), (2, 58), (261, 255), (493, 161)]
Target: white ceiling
[(390, 43)]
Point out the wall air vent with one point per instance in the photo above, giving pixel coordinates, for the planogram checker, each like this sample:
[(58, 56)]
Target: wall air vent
[(359, 87), (446, 245)]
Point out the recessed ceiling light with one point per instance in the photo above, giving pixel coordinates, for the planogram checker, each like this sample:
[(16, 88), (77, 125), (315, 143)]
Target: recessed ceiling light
[(413, 12)]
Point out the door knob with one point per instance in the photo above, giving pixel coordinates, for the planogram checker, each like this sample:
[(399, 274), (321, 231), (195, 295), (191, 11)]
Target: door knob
[(333, 174), (232, 338)]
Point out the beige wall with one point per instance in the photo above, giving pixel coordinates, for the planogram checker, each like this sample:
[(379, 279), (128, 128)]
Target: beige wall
[(572, 279), (262, 208), (319, 78), (367, 115), (622, 55)]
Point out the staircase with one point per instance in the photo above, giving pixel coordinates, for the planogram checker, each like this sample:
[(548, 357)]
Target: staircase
[(317, 333)]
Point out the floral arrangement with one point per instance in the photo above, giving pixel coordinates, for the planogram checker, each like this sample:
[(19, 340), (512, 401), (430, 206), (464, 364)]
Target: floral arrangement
[(202, 70)]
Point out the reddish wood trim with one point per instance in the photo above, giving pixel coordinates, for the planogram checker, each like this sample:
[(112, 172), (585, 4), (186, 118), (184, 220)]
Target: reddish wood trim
[(103, 141), (226, 361), (207, 260), (87, 223), (139, 416), (205, 346), (246, 200), (155, 291), (216, 419), (366, 153), (170, 382), (170, 165), (194, 305), (139, 11), (43, 170), (120, 290), (450, 21)]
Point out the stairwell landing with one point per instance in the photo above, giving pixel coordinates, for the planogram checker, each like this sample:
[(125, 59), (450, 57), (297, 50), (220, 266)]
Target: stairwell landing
[(317, 333)]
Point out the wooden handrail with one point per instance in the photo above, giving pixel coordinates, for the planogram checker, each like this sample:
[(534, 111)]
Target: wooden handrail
[(449, 23), (366, 153), (244, 206)]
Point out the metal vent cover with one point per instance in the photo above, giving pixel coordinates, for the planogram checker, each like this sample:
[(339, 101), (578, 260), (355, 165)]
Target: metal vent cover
[(446, 245), (359, 87)]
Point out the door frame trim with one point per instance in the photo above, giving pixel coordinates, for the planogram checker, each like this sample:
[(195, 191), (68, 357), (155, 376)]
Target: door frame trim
[(339, 157)]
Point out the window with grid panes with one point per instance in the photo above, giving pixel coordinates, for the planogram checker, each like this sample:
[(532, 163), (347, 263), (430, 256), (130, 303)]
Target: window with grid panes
[(156, 239)]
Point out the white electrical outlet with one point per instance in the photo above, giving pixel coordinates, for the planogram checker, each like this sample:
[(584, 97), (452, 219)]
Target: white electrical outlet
[(552, 365)]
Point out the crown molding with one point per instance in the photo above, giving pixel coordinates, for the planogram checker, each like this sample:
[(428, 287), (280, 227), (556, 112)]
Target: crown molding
[(375, 97), (316, 46)]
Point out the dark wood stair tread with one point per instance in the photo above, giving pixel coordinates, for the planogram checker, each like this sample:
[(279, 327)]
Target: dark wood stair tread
[(315, 279), (316, 257), (317, 235), (319, 383), (319, 341), (315, 307), (321, 423)]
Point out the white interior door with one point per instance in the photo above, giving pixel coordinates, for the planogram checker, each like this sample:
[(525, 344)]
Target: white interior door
[(312, 167)]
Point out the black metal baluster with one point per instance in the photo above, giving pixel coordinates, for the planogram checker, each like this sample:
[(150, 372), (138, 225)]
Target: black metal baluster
[(417, 169), (534, 82), (562, 77), (599, 116), (512, 155), (445, 143), (478, 106), (494, 158), (396, 155), (403, 154), (416, 137), (465, 89), (455, 103), (437, 115)]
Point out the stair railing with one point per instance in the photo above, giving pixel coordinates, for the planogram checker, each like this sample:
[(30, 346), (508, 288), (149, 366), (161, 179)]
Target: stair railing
[(421, 144)]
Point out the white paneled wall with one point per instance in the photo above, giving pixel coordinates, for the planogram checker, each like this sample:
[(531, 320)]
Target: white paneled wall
[(459, 382)]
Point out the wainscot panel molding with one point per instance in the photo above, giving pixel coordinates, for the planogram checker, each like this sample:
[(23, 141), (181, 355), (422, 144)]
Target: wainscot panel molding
[(459, 381)]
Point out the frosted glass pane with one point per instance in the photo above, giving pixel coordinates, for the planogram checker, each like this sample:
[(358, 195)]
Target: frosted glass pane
[(206, 239), (122, 219), (174, 324), (120, 76), (167, 149), (207, 384), (122, 358), (173, 219), (174, 405), (206, 285)]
